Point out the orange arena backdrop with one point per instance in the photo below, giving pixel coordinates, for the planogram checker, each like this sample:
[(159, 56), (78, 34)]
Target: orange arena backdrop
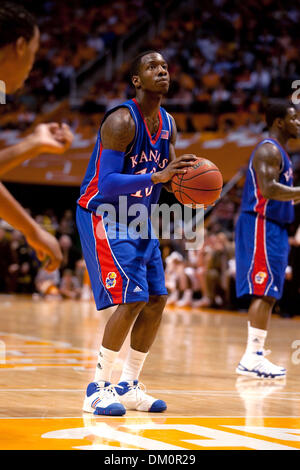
[(229, 152)]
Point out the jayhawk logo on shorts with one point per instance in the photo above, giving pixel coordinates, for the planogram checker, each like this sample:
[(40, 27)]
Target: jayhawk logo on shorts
[(260, 277), (111, 280)]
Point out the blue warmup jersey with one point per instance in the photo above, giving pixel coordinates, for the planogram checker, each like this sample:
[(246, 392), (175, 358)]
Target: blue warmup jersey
[(261, 237), (124, 270)]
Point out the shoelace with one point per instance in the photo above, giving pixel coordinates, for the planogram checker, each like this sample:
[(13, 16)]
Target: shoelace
[(266, 352), (140, 387), (139, 391), (265, 364), (110, 388)]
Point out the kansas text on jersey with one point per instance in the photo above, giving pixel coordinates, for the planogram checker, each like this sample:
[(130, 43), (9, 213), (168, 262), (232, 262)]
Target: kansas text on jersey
[(146, 154)]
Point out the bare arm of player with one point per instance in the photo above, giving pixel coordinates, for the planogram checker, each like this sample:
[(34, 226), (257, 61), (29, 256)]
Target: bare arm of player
[(46, 138), (177, 165), (46, 246), (118, 130), (267, 163)]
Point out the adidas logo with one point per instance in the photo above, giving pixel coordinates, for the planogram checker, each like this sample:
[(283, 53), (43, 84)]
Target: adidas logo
[(137, 289)]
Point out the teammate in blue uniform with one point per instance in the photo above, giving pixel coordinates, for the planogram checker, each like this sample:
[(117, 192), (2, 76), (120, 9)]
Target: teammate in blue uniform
[(261, 234), (133, 157)]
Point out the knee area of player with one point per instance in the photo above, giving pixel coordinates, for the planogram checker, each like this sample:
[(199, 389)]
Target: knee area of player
[(265, 300), (133, 308), (157, 303)]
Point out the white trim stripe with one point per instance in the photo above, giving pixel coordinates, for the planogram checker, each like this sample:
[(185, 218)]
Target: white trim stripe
[(267, 259), (96, 161), (98, 263), (264, 241), (253, 257), (255, 231), (170, 123), (115, 259)]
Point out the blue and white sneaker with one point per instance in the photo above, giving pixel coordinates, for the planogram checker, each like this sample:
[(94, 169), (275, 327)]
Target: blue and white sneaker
[(133, 396), (102, 399), (256, 365)]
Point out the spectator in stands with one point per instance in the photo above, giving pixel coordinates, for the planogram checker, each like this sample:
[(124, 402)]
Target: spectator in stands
[(69, 287), (23, 271), (26, 278), (70, 253), (47, 284), (67, 225), (7, 263)]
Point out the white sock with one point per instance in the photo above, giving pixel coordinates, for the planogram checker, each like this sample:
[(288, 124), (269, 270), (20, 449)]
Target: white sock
[(256, 339), (106, 359), (133, 365)]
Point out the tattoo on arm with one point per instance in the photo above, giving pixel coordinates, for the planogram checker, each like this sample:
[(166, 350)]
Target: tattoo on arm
[(118, 130)]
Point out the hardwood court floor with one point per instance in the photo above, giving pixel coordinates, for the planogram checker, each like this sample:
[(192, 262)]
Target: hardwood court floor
[(48, 353)]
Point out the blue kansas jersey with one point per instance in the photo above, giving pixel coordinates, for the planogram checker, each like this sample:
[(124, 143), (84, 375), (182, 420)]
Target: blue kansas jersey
[(146, 154), (124, 270), (280, 212)]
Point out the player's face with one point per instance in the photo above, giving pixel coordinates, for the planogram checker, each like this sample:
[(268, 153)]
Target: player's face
[(21, 61), (292, 123), (153, 74)]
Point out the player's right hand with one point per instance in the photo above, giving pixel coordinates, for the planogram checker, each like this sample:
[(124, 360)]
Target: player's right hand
[(175, 167), (46, 247)]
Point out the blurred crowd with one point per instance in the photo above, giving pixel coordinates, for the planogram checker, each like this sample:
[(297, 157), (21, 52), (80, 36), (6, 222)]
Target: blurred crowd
[(72, 35), (224, 56), (195, 278), (21, 272)]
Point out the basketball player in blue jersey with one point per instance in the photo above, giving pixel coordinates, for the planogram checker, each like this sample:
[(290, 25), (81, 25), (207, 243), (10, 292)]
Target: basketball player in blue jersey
[(134, 156), (261, 234)]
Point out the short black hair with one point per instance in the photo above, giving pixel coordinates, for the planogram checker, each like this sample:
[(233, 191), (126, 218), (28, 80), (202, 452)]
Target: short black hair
[(276, 110), (136, 62), (15, 22)]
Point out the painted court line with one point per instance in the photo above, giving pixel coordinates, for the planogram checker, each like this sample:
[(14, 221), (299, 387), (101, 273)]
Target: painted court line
[(110, 418), (175, 392)]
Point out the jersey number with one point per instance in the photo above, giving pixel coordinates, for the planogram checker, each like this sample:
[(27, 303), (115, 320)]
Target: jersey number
[(148, 191)]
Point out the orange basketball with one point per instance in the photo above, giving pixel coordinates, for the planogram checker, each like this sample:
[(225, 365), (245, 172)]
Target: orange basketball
[(201, 184)]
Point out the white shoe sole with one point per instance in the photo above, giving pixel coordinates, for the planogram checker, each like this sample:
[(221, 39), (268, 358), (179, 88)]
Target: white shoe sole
[(88, 409), (256, 375)]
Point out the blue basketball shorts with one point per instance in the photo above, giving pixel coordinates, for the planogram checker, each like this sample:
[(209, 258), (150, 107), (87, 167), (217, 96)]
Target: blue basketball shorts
[(262, 250), (120, 271)]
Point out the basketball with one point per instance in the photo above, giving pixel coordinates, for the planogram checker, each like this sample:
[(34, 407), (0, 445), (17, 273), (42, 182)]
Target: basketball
[(201, 184)]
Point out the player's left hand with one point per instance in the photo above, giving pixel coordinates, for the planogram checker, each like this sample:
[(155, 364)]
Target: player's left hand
[(53, 137)]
